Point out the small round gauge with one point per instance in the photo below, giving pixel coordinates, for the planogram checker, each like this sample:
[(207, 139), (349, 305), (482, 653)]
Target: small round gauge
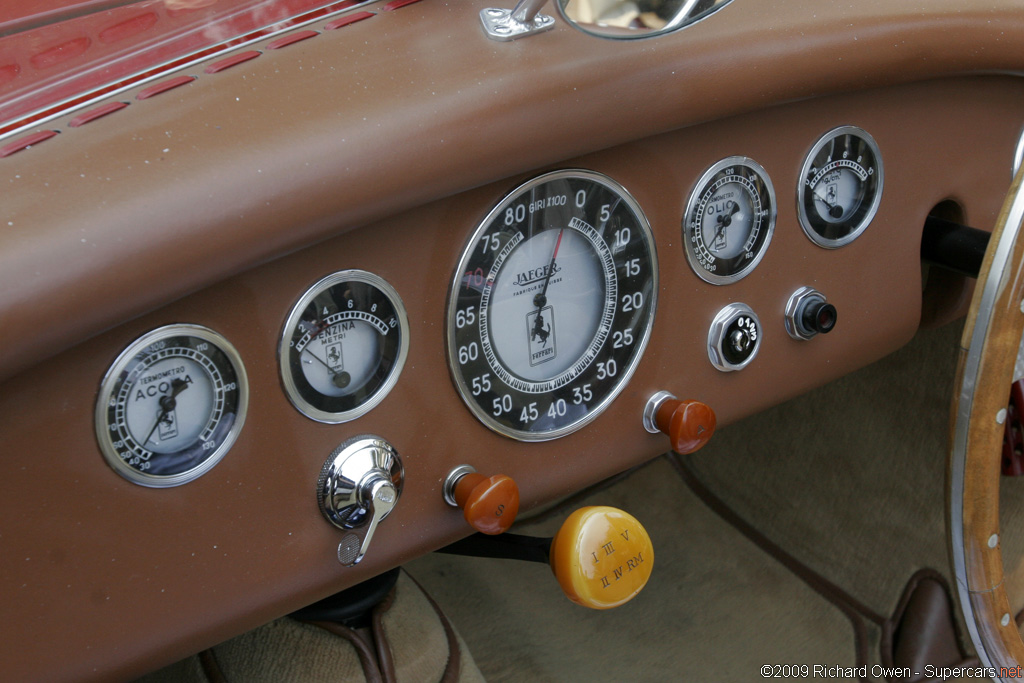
[(552, 305), (343, 346), (729, 220), (840, 187), (171, 405)]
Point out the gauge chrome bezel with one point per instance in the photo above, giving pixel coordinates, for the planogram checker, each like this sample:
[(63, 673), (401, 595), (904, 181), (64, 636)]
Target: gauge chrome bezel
[(623, 377), (112, 379), (696, 195), (288, 381), (801, 189)]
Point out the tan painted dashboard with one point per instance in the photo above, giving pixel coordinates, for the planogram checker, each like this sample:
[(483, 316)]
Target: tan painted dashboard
[(381, 147)]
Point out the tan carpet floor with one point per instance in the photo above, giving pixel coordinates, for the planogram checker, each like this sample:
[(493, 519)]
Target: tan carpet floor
[(716, 608)]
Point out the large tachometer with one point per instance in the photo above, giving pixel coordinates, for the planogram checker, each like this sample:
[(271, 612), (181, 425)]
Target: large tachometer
[(552, 305)]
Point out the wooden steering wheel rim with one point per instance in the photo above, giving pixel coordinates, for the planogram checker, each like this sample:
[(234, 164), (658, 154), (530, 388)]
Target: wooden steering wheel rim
[(988, 353)]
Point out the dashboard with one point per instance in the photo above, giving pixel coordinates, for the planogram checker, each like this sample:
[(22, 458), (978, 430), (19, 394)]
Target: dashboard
[(225, 242)]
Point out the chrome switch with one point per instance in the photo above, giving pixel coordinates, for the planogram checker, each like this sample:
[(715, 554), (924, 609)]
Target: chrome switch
[(359, 486)]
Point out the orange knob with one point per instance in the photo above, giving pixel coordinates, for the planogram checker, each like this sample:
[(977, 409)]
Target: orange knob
[(602, 557), (689, 424), (489, 504)]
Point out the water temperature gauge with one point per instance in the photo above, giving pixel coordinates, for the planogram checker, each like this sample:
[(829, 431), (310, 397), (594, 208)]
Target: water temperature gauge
[(840, 187), (729, 220), (343, 346), (171, 405)]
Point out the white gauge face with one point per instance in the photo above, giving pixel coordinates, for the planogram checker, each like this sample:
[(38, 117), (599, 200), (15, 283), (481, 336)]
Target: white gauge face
[(343, 346), (171, 405), (341, 359), (522, 334), (552, 305), (189, 382), (729, 220), (840, 187), (837, 195)]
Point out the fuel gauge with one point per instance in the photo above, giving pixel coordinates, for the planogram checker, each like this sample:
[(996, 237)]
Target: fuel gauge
[(840, 187), (343, 346)]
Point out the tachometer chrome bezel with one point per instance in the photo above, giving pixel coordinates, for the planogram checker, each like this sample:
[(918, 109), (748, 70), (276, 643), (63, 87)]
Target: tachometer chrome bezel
[(622, 377)]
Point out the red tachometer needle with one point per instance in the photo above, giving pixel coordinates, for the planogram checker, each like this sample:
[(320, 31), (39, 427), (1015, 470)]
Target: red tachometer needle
[(541, 299)]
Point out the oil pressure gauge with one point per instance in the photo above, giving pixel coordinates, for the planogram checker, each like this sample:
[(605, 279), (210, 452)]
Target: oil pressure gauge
[(840, 187), (729, 220), (343, 346), (171, 405)]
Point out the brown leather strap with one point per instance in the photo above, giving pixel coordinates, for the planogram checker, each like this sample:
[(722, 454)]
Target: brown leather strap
[(211, 668), (380, 639), (854, 610), (361, 641), (454, 666)]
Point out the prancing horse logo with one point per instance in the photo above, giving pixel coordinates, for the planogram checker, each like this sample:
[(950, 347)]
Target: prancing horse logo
[(540, 330)]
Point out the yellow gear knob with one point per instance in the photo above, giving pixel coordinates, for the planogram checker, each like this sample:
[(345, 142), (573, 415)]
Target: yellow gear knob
[(602, 557)]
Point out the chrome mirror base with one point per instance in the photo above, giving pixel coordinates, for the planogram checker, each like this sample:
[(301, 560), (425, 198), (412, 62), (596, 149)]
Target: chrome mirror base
[(509, 24)]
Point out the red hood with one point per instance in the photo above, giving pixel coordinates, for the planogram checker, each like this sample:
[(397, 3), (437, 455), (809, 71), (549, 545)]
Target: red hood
[(53, 50)]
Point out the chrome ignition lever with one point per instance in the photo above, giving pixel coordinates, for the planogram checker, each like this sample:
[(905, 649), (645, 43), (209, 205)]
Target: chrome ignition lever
[(379, 503), (359, 486)]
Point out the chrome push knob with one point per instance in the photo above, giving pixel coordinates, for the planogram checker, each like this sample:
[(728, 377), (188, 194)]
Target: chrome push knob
[(359, 486)]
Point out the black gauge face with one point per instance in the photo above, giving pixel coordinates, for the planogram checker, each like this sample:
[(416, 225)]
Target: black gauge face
[(343, 346), (552, 305), (840, 187), (171, 405), (729, 220)]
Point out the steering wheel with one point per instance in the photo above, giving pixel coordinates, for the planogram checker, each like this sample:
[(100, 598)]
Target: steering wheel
[(988, 354)]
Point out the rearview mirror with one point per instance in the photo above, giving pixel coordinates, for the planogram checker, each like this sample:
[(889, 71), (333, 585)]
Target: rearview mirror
[(630, 19)]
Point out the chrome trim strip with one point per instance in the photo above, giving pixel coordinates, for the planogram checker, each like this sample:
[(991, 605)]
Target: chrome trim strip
[(72, 104)]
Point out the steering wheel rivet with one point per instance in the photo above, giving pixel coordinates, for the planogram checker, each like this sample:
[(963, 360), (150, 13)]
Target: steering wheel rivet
[(993, 540), (1001, 416), (1006, 620)]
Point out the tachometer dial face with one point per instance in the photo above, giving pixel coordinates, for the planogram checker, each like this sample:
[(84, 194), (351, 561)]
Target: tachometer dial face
[(840, 187), (552, 305), (729, 220), (343, 346), (171, 405)]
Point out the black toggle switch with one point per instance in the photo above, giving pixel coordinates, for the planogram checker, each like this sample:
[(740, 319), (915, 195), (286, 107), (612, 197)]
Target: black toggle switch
[(819, 317), (809, 314)]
